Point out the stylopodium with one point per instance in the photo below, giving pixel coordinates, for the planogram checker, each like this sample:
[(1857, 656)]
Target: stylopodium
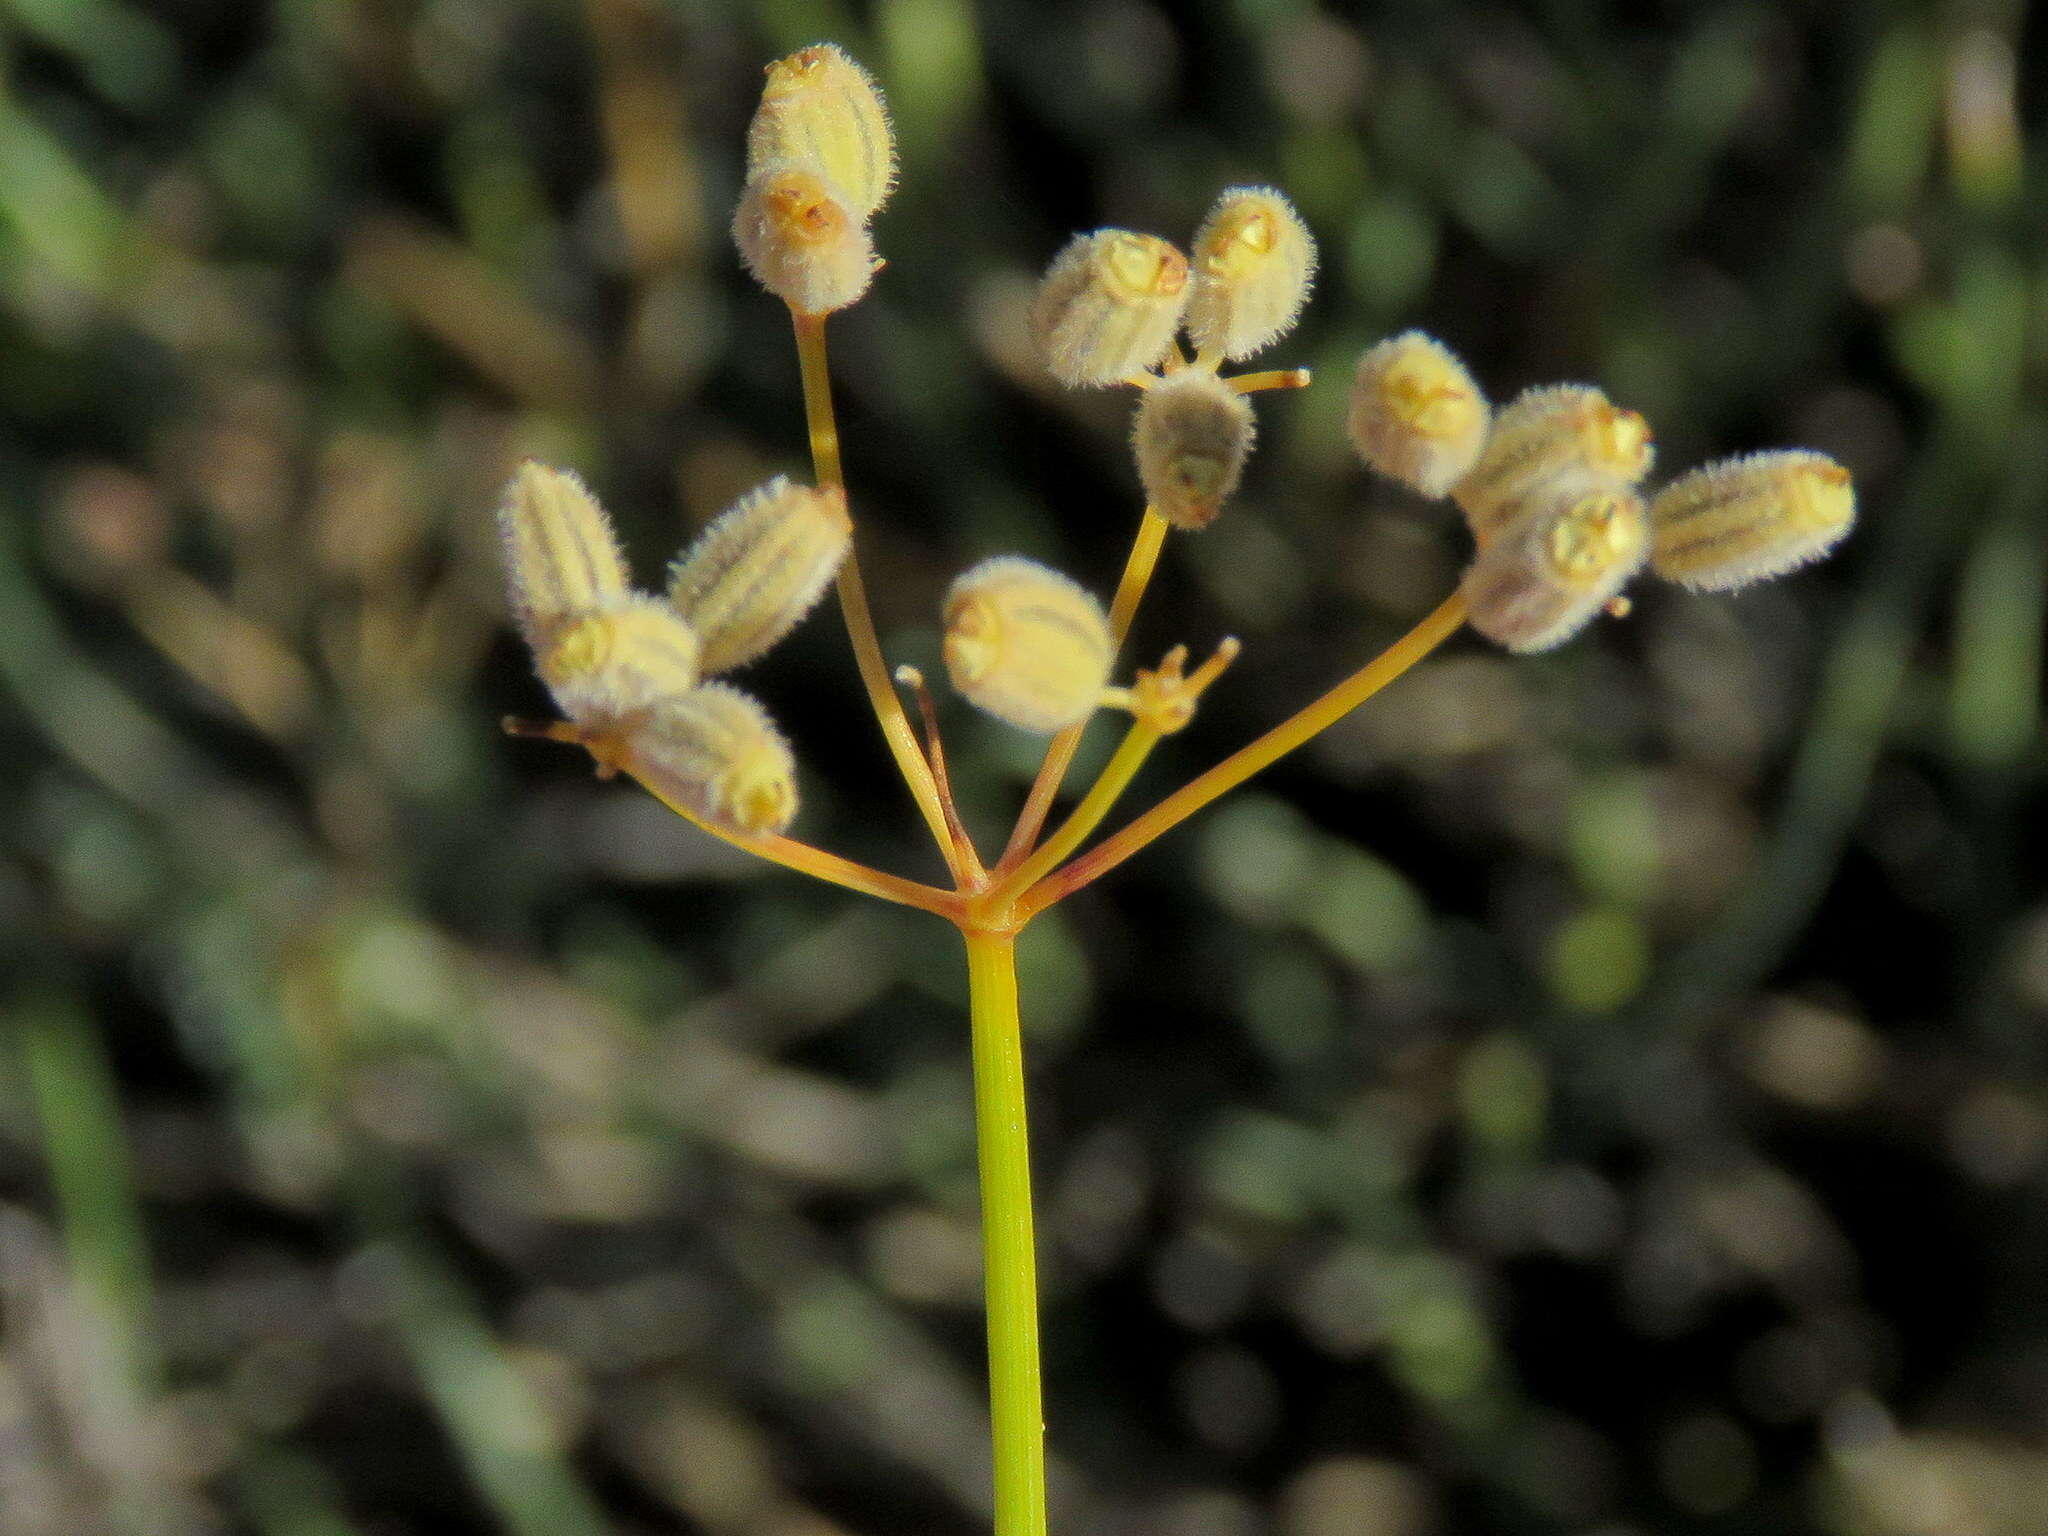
[(1550, 487)]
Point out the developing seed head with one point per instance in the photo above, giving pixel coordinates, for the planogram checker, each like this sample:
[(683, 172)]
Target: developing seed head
[(1164, 698), (716, 751), (561, 557), (1191, 437), (1539, 583), (1026, 644), (613, 662), (1109, 305), (1558, 431), (1416, 416), (821, 112), (757, 570), (1252, 264), (801, 242), (1744, 519)]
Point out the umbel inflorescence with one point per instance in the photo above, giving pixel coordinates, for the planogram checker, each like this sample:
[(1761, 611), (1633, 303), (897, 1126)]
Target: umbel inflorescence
[(1552, 487)]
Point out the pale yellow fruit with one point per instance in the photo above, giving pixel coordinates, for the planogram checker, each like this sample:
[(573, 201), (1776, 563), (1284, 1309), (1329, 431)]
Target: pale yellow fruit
[(1558, 431), (1191, 437), (1416, 416), (1026, 644), (821, 112), (1745, 519), (618, 660), (1253, 261), (1545, 577), (716, 751), (561, 557), (801, 243), (1109, 305), (759, 568)]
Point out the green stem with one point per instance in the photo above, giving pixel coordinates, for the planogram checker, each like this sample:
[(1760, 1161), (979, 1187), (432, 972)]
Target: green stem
[(1010, 1258)]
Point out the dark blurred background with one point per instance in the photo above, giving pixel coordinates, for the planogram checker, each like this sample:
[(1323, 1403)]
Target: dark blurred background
[(1601, 1094)]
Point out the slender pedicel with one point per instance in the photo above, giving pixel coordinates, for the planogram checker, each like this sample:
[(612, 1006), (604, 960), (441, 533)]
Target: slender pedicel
[(1130, 591), (823, 428), (1297, 729), (935, 754), (609, 758), (1161, 702)]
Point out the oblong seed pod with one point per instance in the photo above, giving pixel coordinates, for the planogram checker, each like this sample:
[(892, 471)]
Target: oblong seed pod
[(1416, 415), (1543, 434), (620, 659), (1109, 305), (561, 556), (1191, 437), (1744, 519), (1540, 581), (821, 112), (717, 751), (801, 243), (1026, 644), (755, 571), (1252, 263)]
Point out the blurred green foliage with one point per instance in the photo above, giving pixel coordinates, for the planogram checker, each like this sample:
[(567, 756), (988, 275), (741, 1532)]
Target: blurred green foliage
[(1601, 1093)]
